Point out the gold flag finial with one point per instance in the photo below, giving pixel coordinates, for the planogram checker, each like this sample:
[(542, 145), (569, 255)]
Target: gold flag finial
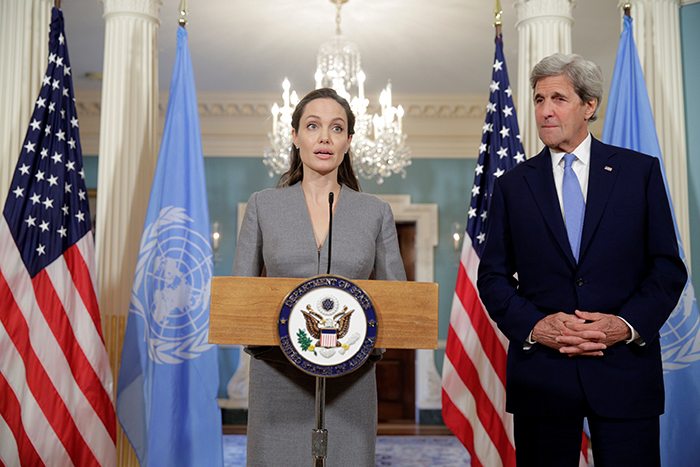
[(497, 15), (627, 8), (182, 21)]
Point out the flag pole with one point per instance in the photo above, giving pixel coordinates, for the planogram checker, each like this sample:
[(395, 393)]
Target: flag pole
[(57, 4), (627, 8), (182, 21)]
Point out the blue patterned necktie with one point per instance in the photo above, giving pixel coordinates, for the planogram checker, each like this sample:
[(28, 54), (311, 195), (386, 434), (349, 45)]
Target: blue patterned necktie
[(574, 205)]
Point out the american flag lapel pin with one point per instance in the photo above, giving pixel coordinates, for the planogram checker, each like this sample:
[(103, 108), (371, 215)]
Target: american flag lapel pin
[(608, 168)]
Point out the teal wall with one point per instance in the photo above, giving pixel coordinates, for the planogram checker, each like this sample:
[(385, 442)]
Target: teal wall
[(90, 166), (445, 182), (690, 40)]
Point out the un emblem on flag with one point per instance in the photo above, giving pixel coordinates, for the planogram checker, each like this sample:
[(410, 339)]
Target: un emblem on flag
[(172, 287), (327, 326), (680, 335)]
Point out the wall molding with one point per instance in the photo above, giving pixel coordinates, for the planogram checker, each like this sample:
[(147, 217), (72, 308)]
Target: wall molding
[(428, 383), (236, 125)]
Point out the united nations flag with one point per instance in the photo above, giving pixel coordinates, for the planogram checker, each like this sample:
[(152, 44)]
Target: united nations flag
[(629, 122), (168, 380)]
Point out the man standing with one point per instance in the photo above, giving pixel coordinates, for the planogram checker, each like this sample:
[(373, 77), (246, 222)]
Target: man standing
[(580, 271)]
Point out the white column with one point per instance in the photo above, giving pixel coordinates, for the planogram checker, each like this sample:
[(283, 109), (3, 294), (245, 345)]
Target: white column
[(24, 45), (544, 28), (128, 144), (127, 157), (657, 35)]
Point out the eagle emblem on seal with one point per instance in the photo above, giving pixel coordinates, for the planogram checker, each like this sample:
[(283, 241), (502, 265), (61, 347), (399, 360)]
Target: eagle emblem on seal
[(327, 326), (327, 330)]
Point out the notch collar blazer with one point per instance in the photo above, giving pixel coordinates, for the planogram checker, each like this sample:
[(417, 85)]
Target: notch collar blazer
[(628, 266)]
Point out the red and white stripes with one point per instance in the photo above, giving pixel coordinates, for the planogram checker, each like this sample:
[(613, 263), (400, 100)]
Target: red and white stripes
[(54, 369), (474, 374)]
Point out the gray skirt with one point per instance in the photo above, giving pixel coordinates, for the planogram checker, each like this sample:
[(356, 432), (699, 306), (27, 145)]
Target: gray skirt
[(281, 414)]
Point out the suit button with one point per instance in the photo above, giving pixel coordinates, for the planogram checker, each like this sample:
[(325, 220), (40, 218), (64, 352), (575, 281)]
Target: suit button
[(579, 282)]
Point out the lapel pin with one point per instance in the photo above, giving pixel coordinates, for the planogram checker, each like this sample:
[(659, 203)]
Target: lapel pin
[(608, 168)]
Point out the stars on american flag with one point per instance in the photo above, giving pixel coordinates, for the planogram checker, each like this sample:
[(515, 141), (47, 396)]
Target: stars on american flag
[(47, 209), (500, 148)]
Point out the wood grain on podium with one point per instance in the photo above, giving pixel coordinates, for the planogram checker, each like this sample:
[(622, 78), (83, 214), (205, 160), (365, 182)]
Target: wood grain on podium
[(244, 310)]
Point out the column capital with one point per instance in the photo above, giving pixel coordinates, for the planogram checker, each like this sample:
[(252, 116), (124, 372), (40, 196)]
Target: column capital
[(148, 9), (535, 9)]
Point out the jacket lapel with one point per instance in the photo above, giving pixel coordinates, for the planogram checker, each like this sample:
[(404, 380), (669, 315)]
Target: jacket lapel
[(601, 179), (541, 183)]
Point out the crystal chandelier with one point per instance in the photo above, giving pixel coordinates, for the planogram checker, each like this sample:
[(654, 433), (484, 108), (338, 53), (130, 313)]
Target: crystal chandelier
[(379, 146)]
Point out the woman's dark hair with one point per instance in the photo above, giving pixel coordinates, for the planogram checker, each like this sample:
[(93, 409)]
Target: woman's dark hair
[(346, 175)]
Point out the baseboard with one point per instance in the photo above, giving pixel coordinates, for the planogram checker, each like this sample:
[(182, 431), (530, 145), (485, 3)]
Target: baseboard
[(383, 429)]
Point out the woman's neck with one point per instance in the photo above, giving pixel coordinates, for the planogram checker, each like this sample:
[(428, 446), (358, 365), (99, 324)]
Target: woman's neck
[(316, 189)]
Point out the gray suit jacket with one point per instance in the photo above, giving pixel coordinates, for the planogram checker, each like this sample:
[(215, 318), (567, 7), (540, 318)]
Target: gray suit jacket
[(277, 233)]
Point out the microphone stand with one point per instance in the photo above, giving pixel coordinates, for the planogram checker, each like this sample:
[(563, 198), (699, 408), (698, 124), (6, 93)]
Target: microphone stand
[(330, 230), (319, 436)]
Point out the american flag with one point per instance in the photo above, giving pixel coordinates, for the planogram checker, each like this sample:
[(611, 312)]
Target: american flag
[(474, 369), (56, 405)]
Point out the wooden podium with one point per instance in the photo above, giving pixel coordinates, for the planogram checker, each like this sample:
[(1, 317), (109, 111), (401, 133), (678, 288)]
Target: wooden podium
[(244, 310)]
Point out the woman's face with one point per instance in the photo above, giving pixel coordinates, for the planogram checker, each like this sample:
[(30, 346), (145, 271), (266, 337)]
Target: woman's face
[(323, 137)]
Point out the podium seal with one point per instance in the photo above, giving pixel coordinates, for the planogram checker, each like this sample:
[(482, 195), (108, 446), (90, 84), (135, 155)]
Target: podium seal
[(327, 326)]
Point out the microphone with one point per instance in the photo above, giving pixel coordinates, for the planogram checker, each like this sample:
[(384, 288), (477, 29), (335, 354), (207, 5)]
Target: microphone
[(330, 230)]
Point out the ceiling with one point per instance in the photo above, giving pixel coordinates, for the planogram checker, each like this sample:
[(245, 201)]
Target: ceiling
[(422, 46)]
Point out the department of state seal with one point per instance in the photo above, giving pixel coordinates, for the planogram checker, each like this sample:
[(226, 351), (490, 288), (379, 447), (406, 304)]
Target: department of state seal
[(327, 326)]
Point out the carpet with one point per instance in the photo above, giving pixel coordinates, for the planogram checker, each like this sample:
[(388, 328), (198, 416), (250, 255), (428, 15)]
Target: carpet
[(403, 451)]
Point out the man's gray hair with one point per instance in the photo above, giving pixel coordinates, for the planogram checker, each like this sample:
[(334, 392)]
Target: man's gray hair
[(585, 76)]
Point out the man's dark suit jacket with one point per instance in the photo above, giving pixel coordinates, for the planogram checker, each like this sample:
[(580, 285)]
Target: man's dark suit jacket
[(629, 266)]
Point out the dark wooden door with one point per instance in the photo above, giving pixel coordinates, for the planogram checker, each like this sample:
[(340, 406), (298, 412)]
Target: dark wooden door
[(396, 371)]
